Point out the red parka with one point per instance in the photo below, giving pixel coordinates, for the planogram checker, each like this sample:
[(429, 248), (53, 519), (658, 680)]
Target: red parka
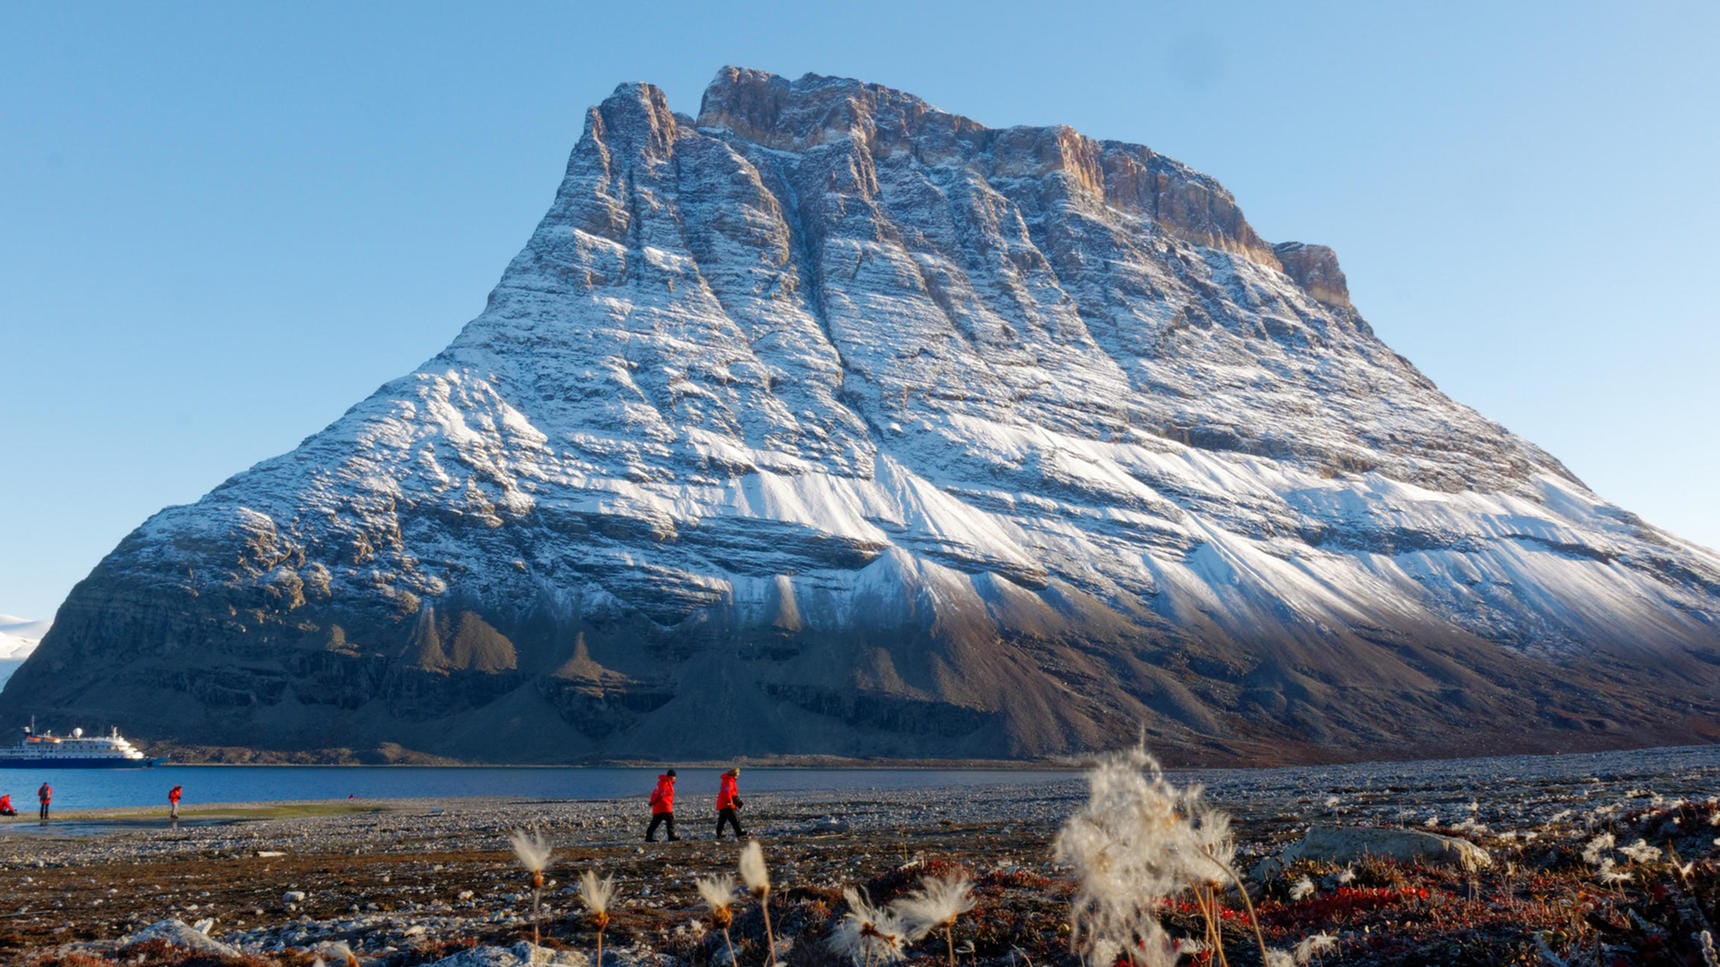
[(727, 793), (173, 794), (46, 793), (663, 797)]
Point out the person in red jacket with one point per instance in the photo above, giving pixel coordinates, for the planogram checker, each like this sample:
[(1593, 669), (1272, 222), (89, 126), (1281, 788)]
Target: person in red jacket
[(45, 795), (173, 803), (6, 806), (728, 801), (662, 807)]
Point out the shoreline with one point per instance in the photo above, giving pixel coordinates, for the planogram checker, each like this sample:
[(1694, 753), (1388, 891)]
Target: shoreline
[(411, 881), (1494, 747)]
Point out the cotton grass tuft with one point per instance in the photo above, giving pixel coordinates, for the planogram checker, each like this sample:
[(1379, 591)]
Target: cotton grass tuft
[(757, 879), (869, 934), (753, 873), (1139, 840), (718, 892), (597, 895), (937, 903), (1598, 848), (1641, 852), (533, 852), (1319, 943)]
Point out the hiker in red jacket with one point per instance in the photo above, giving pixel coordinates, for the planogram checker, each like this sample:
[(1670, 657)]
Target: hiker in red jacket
[(662, 807), (728, 801), (45, 795), (6, 806), (173, 803)]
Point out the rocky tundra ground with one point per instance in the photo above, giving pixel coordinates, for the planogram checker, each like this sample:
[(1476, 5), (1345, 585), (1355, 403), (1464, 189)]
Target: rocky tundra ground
[(1601, 859)]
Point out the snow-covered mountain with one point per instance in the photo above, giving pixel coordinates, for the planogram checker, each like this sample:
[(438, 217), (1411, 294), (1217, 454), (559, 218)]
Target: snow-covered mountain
[(18, 638), (830, 422)]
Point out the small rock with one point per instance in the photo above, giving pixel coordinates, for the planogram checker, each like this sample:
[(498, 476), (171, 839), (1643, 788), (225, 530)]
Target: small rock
[(293, 896)]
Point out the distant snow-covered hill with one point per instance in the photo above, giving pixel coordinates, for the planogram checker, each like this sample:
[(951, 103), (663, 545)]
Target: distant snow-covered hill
[(828, 422), (18, 638)]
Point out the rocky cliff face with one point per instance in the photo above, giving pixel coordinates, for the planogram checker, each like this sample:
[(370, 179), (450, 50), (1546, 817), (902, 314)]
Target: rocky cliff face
[(829, 422)]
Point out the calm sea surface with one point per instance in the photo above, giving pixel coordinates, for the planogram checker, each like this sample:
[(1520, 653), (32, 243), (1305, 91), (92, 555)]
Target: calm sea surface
[(1686, 771), (93, 788)]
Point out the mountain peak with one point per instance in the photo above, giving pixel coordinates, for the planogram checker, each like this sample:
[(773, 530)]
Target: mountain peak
[(814, 110), (634, 120)]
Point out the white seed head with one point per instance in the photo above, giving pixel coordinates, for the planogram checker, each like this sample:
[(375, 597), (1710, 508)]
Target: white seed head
[(1641, 852), (1302, 889), (596, 893), (868, 934), (937, 903), (1597, 848), (1319, 943), (531, 849), (718, 891), (753, 873), (1607, 872)]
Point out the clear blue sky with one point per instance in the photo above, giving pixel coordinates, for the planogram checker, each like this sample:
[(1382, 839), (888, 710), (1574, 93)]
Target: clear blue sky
[(222, 224)]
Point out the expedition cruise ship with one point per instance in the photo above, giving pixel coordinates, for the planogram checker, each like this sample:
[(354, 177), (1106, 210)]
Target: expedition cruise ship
[(76, 751)]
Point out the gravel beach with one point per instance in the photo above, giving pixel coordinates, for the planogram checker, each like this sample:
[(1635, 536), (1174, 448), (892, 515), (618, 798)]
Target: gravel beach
[(416, 881)]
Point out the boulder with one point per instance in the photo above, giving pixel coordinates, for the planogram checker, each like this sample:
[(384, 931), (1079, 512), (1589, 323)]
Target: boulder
[(182, 935), (1339, 844)]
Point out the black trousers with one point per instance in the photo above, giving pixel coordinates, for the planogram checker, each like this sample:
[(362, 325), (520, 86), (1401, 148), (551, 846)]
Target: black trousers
[(728, 816), (44, 812), (660, 819)]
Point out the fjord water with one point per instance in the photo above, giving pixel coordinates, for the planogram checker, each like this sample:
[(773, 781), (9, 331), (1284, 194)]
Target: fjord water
[(103, 788), (1551, 781)]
